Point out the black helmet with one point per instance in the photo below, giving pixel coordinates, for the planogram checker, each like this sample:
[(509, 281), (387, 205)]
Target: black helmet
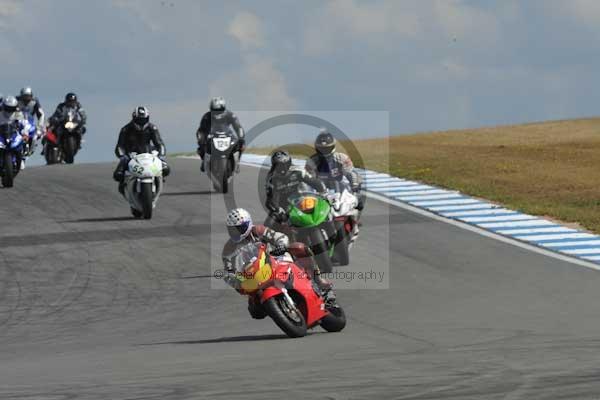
[(217, 104), (325, 142), (71, 99), (140, 117), (281, 161)]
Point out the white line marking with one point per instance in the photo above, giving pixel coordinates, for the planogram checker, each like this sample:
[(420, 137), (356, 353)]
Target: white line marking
[(417, 192), (498, 218), (465, 207), (492, 211), (582, 251), (535, 222), (450, 195), (594, 258), (570, 244), (513, 232), (444, 202), (397, 186), (538, 238)]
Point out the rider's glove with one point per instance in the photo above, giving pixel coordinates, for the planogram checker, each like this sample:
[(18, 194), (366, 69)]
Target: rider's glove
[(279, 250), (280, 215)]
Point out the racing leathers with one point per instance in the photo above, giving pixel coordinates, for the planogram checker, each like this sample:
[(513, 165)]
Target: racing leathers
[(219, 121), (133, 140), (332, 169), (278, 245), (33, 108), (279, 188), (61, 115)]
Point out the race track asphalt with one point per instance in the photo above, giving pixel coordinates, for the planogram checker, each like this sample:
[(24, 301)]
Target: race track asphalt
[(96, 305)]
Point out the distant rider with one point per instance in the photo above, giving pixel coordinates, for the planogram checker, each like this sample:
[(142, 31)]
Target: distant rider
[(30, 106), (138, 136), (11, 115), (61, 114), (284, 180), (242, 232), (219, 118), (332, 166)]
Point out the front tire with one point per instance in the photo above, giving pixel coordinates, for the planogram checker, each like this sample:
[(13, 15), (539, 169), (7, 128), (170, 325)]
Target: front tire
[(70, 146), (9, 173), (291, 321), (146, 197)]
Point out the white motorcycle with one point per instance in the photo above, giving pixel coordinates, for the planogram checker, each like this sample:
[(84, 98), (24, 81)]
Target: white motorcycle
[(345, 216), (143, 183)]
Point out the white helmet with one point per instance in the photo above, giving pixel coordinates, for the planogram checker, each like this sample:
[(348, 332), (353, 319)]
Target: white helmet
[(27, 91), (217, 104), (239, 224), (10, 104), (141, 117)]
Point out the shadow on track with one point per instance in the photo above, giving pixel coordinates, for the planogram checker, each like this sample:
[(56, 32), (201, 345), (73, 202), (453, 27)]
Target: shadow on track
[(226, 339), (198, 193), (107, 219)]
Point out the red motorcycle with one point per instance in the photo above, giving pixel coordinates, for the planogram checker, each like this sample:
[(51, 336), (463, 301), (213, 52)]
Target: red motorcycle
[(52, 151), (284, 291)]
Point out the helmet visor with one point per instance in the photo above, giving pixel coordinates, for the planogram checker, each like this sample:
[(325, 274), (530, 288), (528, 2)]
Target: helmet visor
[(238, 232)]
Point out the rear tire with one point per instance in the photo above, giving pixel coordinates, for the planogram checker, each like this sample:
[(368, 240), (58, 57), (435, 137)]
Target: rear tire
[(9, 174), (335, 321), (293, 327), (342, 246), (136, 214), (146, 198), (319, 248), (70, 146)]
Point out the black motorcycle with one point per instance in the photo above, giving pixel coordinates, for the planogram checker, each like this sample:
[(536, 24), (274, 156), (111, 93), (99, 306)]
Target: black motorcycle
[(222, 159)]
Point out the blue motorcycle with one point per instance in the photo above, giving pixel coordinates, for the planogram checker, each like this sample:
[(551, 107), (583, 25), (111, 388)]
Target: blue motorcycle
[(11, 152)]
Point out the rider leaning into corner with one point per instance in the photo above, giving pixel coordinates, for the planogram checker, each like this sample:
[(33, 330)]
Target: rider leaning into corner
[(219, 118), (138, 136), (30, 105), (283, 181), (10, 114), (61, 114), (331, 166), (242, 231)]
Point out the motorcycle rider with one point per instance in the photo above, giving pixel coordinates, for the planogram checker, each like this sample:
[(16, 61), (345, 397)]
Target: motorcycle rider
[(331, 165), (30, 105), (138, 136), (219, 118), (284, 180), (58, 119), (10, 114), (242, 231)]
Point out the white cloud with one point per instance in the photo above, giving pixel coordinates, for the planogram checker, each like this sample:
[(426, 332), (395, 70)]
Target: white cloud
[(583, 11), (258, 85), (247, 29), (344, 19), (462, 21)]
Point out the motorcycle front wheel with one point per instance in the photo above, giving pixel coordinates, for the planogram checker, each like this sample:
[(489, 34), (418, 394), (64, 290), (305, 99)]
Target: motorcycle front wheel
[(70, 148), (287, 317), (146, 198), (9, 174)]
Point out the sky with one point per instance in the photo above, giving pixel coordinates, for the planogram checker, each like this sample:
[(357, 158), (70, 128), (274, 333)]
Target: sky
[(421, 65)]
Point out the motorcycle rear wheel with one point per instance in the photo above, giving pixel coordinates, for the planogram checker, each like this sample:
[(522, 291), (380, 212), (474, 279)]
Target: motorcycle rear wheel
[(292, 322)]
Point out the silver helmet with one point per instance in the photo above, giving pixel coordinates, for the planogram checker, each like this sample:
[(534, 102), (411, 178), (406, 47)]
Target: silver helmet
[(217, 104)]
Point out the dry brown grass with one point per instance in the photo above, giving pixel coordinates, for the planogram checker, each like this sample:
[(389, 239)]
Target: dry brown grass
[(549, 168)]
